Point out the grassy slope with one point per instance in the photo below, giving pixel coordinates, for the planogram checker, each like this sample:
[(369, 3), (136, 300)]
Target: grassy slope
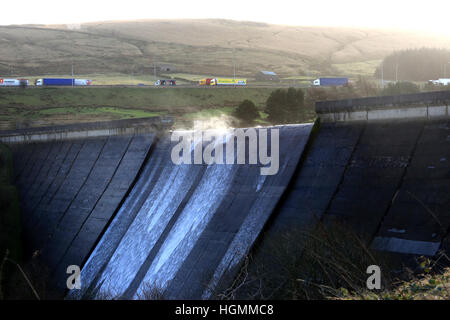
[(62, 105), (198, 47), (146, 98)]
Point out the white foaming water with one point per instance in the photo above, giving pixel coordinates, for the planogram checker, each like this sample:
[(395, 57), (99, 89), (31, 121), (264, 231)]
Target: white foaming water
[(192, 221), (189, 226), (152, 219), (145, 230)]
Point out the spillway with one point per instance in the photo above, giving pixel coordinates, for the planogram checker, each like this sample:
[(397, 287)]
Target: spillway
[(185, 227)]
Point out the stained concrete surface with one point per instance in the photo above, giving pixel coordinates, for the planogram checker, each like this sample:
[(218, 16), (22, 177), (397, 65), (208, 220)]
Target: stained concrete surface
[(70, 189)]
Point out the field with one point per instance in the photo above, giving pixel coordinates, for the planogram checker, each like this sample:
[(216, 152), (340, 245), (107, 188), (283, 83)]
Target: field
[(354, 69), (43, 106), (129, 50)]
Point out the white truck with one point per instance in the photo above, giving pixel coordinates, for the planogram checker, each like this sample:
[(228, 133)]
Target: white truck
[(13, 82), (440, 82)]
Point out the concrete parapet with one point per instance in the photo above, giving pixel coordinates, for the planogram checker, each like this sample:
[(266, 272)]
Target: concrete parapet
[(85, 130), (429, 105)]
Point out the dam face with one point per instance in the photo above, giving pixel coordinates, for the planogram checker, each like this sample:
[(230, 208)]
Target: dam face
[(109, 198), (387, 181), (119, 207), (185, 227), (70, 189)]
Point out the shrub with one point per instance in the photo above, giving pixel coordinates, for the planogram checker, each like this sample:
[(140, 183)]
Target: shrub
[(247, 112)]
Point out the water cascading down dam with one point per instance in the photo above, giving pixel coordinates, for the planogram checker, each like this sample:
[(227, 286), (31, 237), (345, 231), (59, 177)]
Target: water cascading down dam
[(108, 197)]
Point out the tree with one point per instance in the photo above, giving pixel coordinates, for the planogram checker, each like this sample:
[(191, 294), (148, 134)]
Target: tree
[(295, 101), (284, 106), (247, 112), (415, 65), (365, 88), (274, 106)]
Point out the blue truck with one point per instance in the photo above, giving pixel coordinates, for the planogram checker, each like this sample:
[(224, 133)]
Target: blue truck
[(62, 82), (330, 82)]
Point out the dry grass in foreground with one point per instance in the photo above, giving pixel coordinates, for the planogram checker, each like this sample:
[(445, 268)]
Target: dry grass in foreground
[(427, 286), (330, 262)]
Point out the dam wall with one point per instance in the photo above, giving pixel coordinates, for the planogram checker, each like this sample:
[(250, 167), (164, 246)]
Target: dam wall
[(119, 207), (115, 204), (71, 180), (69, 191), (386, 177)]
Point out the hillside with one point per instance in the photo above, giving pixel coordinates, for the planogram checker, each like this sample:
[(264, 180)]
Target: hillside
[(50, 106), (200, 47)]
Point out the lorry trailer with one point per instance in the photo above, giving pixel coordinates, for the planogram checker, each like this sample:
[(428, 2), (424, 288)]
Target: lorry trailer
[(330, 82), (13, 82), (442, 82), (62, 82), (169, 82), (222, 82)]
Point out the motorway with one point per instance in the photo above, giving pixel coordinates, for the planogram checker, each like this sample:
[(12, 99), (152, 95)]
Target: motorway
[(168, 87)]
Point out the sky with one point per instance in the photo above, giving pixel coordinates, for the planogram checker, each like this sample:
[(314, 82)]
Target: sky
[(425, 15)]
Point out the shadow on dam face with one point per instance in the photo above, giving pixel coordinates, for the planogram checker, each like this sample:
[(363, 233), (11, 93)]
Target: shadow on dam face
[(119, 207)]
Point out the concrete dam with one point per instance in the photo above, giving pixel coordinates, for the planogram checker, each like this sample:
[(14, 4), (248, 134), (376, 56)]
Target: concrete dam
[(107, 196)]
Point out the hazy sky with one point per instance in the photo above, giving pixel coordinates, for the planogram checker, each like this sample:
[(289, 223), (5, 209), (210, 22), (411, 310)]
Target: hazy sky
[(427, 15)]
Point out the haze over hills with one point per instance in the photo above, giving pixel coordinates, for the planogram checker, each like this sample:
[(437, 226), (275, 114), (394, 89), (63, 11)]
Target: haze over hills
[(200, 47)]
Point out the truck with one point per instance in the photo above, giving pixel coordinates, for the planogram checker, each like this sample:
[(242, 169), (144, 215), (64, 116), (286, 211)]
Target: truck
[(440, 82), (330, 82), (169, 82), (13, 82), (62, 82), (222, 82), (205, 82)]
